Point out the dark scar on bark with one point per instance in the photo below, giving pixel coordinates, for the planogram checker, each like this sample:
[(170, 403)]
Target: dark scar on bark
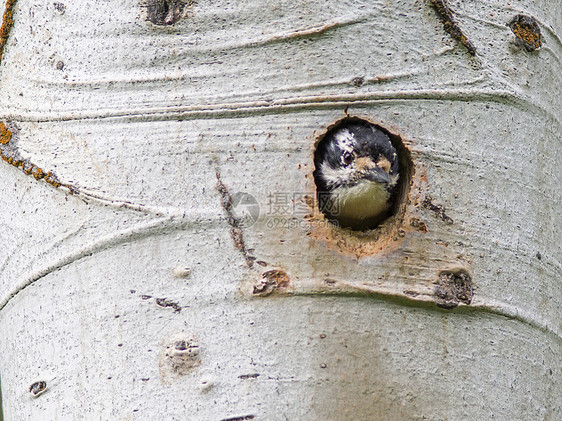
[(451, 26), (235, 226), (242, 418), (527, 31), (438, 210), (166, 12), (164, 302), (10, 154), (453, 287)]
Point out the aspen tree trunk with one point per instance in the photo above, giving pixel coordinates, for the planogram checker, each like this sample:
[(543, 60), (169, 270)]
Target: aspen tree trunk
[(162, 254)]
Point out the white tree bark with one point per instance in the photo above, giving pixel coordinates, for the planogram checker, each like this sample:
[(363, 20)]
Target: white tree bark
[(130, 287)]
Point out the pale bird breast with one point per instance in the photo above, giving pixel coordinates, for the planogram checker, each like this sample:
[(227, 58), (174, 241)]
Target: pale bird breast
[(362, 201)]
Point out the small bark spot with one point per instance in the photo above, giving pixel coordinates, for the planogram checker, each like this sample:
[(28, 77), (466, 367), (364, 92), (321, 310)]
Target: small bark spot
[(178, 357), (453, 287), (358, 81), (165, 302), (439, 210), (59, 7), (419, 225), (248, 376), (38, 388), (271, 281), (182, 272), (166, 12)]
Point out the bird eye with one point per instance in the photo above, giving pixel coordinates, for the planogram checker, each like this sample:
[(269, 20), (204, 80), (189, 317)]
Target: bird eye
[(347, 158)]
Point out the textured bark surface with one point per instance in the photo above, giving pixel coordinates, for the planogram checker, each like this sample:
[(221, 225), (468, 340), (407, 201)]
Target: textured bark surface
[(140, 138)]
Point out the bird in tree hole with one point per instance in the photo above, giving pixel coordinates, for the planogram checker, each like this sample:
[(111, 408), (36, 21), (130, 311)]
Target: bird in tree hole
[(356, 175)]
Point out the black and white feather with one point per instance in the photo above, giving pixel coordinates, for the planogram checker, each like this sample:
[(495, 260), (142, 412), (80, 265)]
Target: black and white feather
[(356, 174)]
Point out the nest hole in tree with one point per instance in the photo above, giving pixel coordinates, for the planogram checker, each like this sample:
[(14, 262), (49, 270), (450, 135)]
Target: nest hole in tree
[(387, 227)]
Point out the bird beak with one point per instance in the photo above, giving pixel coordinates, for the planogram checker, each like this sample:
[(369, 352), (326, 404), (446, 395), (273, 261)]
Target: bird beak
[(377, 175)]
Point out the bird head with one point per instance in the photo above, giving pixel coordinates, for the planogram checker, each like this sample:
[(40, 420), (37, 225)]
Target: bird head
[(356, 173)]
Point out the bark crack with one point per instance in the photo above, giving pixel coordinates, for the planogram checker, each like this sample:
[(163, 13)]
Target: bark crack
[(451, 26), (236, 231)]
